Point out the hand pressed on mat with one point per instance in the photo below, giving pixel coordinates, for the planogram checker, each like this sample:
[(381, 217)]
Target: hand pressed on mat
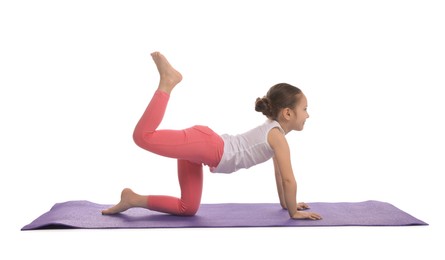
[(306, 215)]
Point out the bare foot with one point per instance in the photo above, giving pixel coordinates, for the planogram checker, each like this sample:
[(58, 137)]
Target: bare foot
[(169, 77), (128, 200)]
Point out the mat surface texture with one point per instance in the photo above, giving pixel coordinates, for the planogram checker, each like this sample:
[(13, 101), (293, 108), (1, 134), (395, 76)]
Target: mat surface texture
[(85, 214)]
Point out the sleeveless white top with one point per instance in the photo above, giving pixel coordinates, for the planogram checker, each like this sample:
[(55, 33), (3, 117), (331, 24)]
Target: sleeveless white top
[(246, 150)]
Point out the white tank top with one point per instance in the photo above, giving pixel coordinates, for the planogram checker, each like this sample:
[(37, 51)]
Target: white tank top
[(246, 150)]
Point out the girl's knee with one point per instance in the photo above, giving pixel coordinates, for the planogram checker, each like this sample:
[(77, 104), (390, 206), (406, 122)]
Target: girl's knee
[(140, 138), (189, 210), (189, 213)]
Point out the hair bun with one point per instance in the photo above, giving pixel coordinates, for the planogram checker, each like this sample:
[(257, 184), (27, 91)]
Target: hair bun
[(263, 105), (279, 96)]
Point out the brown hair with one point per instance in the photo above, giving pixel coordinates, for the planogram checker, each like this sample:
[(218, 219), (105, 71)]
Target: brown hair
[(279, 96)]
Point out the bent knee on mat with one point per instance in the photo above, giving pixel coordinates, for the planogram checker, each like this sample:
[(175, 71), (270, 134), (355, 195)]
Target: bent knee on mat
[(188, 214), (188, 211)]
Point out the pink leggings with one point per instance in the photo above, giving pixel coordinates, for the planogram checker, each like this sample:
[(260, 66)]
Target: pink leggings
[(193, 147)]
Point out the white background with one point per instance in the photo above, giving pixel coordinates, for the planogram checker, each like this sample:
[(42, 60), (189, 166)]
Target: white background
[(76, 76)]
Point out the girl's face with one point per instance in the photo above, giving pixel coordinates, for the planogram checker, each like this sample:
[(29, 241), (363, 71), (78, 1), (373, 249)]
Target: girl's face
[(301, 113), (294, 119)]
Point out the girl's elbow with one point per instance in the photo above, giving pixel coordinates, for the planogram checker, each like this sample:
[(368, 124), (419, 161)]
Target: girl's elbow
[(289, 182)]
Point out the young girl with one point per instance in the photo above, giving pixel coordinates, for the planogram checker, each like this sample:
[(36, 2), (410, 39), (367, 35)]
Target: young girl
[(284, 106)]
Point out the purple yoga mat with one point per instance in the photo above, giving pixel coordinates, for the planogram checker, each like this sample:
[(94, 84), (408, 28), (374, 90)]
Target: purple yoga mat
[(85, 214)]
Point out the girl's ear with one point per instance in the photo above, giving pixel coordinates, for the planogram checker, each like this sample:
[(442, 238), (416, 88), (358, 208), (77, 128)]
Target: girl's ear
[(286, 113)]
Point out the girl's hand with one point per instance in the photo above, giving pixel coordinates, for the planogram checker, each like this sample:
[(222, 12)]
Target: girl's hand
[(306, 215), (302, 205)]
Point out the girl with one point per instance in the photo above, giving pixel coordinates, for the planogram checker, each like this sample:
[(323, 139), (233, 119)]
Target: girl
[(285, 106)]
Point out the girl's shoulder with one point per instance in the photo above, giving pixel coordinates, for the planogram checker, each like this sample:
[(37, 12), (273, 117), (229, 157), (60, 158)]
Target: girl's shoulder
[(272, 124), (276, 138)]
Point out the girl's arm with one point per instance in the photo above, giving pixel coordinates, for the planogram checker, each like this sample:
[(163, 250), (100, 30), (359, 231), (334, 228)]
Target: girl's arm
[(279, 144), (279, 182)]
